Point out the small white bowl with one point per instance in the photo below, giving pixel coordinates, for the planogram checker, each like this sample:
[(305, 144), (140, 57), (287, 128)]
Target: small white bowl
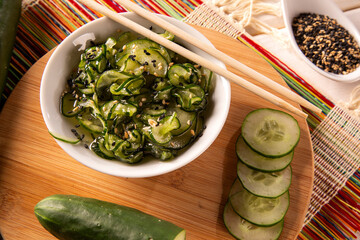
[(67, 56), (292, 9)]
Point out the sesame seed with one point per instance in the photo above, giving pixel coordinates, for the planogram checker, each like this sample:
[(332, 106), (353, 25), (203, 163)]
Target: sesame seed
[(192, 132), (152, 123)]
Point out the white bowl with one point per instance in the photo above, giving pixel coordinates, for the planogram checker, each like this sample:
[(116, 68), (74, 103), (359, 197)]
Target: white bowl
[(292, 8), (66, 57)]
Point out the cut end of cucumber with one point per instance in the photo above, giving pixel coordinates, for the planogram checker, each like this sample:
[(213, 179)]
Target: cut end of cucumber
[(181, 235)]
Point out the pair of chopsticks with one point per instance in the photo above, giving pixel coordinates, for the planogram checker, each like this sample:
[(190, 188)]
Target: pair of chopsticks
[(201, 60)]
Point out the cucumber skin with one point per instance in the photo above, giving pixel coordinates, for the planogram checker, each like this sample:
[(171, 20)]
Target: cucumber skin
[(70, 217)]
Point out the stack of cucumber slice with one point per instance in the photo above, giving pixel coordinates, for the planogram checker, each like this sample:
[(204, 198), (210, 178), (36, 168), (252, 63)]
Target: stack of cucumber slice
[(259, 197)]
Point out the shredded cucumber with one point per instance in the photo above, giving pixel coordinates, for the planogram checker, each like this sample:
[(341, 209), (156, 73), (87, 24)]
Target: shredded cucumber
[(128, 103)]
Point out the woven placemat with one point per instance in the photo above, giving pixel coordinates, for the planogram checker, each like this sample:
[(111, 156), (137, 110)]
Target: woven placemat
[(335, 140), (45, 23)]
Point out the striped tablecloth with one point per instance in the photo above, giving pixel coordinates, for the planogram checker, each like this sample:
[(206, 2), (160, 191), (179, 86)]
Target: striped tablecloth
[(334, 212)]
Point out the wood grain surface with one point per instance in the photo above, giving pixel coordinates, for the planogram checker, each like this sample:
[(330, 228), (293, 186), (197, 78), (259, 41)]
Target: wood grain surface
[(33, 166)]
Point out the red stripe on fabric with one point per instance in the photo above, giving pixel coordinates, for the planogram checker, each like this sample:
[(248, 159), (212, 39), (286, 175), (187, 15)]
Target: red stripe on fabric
[(355, 216), (147, 5), (320, 227), (40, 22), (335, 217), (59, 19), (198, 1), (66, 9), (174, 7), (290, 72), (81, 9), (326, 221), (348, 199), (184, 6), (158, 8), (313, 233), (115, 5), (353, 188), (344, 215)]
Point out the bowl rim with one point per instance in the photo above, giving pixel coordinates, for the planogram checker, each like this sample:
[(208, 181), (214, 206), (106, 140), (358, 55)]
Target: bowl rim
[(334, 13), (155, 171)]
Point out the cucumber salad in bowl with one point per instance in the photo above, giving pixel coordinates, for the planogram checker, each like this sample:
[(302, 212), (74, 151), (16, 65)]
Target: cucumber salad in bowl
[(130, 97)]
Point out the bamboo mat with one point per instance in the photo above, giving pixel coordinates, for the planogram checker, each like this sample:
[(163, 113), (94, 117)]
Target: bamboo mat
[(335, 214)]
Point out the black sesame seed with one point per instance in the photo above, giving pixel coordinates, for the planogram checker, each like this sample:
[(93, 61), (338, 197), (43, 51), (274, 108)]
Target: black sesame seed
[(326, 43)]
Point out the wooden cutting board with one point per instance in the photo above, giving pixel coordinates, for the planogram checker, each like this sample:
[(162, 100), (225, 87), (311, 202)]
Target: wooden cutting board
[(33, 166)]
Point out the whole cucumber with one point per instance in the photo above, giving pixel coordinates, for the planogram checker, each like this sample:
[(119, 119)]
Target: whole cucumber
[(10, 11), (70, 217)]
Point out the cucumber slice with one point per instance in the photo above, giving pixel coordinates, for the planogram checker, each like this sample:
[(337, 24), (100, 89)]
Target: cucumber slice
[(186, 119), (152, 60), (98, 147), (65, 139), (69, 105), (242, 229), (130, 87), (168, 35), (259, 162), (94, 124), (94, 53), (181, 141), (270, 132), (259, 210), (264, 184), (106, 108), (190, 97), (132, 67), (125, 38), (179, 75), (206, 81), (161, 133), (235, 187), (122, 110), (106, 79)]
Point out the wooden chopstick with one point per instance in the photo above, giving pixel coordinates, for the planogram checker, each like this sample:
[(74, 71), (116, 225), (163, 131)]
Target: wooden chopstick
[(219, 55), (192, 56)]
